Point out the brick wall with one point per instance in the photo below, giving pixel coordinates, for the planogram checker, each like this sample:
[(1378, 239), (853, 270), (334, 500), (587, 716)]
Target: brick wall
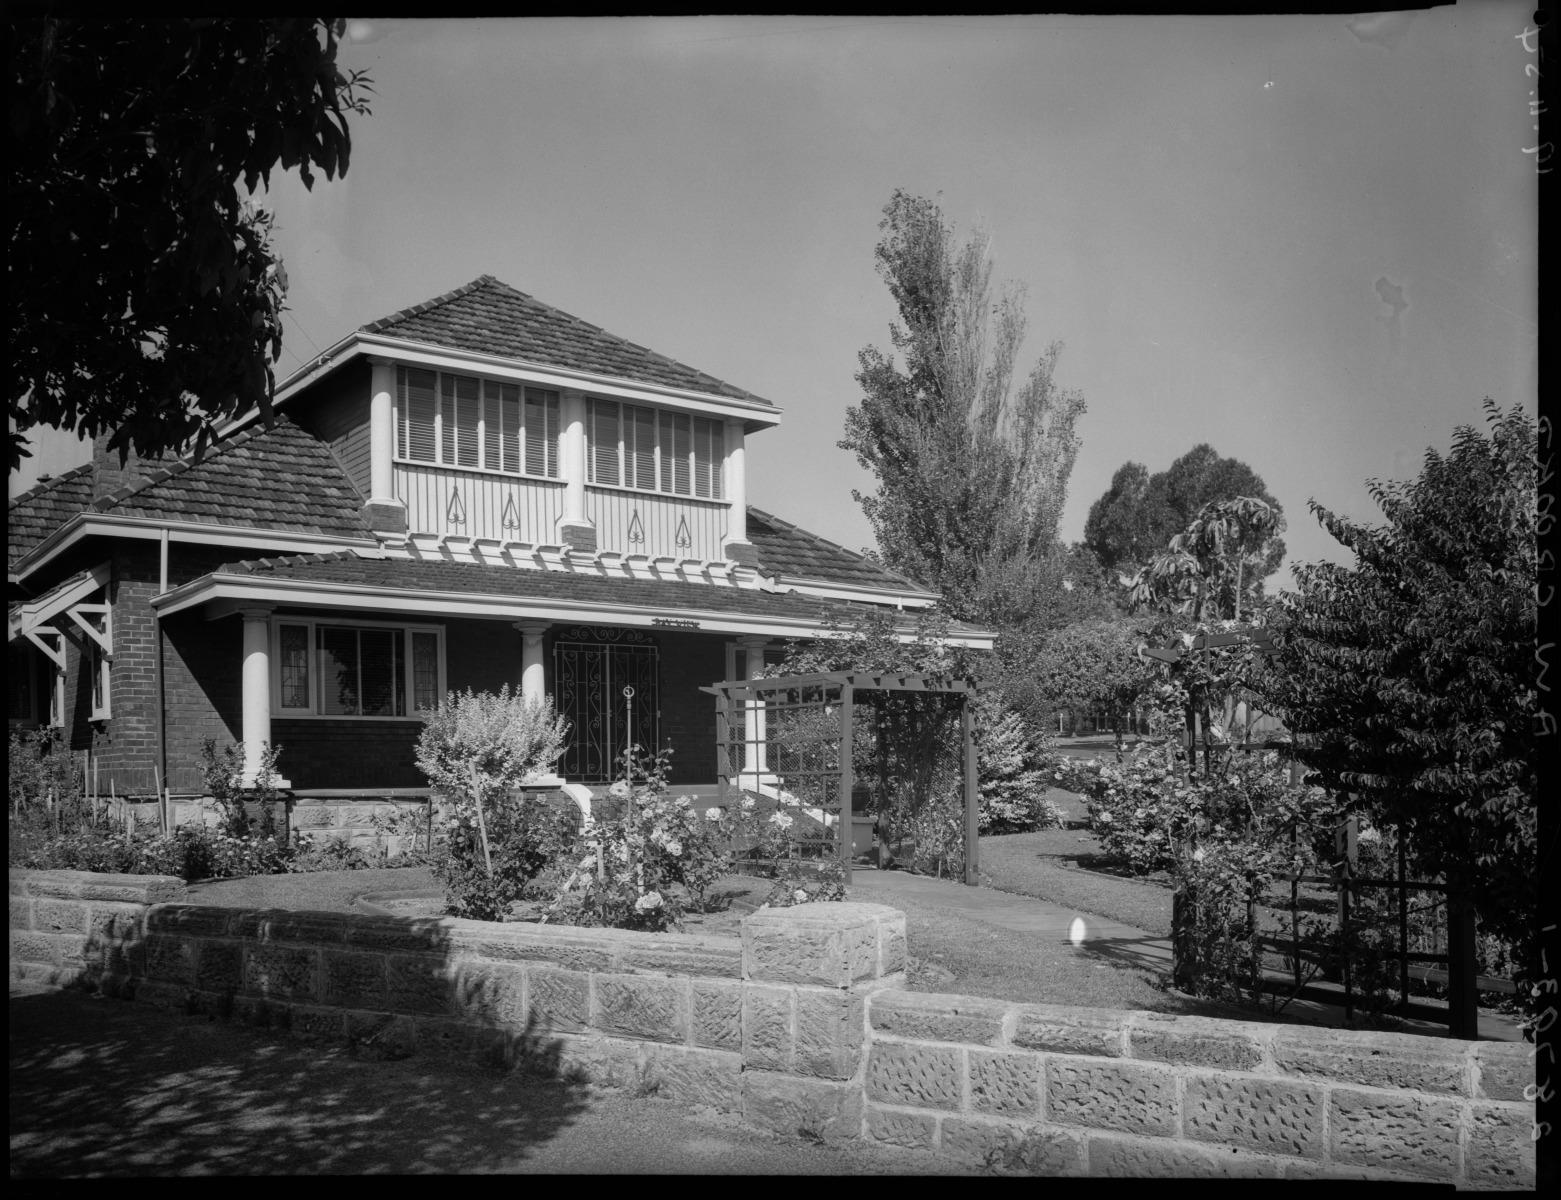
[(801, 1028)]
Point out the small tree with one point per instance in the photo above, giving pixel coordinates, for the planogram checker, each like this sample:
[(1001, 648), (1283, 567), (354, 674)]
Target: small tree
[(1092, 665), (475, 749)]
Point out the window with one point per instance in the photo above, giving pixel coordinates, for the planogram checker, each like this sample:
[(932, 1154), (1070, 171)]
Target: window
[(479, 424), (330, 669), (101, 710), (654, 450)]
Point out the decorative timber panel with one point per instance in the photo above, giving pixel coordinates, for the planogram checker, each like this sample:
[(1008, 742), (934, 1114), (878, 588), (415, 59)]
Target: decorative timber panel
[(645, 523), (440, 500)]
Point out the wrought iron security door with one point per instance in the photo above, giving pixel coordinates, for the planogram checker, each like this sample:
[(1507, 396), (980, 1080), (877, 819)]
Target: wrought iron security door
[(592, 666)]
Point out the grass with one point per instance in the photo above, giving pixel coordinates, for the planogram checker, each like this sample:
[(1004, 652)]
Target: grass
[(1068, 866), (313, 891)]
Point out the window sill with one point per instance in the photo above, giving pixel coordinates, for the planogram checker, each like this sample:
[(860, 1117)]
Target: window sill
[(485, 472), (673, 496)]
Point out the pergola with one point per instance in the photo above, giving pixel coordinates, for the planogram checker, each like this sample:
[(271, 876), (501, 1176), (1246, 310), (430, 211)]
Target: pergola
[(796, 731), (1262, 642)]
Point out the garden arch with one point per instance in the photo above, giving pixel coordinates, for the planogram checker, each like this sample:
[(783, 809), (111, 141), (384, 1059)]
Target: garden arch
[(791, 737)]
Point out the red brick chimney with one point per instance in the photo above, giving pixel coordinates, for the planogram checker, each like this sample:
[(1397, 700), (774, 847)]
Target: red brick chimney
[(107, 474)]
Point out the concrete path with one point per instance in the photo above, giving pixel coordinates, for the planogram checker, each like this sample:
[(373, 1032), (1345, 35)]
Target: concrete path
[(1101, 935)]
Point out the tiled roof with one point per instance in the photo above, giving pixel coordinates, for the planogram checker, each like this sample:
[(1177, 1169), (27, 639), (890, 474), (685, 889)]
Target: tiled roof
[(280, 478), (784, 549), (40, 510), (490, 317), (468, 578)]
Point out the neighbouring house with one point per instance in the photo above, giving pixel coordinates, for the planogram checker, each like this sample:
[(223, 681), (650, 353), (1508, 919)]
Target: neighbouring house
[(477, 491)]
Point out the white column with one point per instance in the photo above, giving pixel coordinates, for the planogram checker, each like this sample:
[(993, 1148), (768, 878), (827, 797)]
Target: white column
[(755, 760), (257, 687), (533, 680), (382, 431), (736, 483), (574, 530)]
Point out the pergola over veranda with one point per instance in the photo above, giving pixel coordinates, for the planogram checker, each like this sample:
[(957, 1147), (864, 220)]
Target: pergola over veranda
[(791, 737)]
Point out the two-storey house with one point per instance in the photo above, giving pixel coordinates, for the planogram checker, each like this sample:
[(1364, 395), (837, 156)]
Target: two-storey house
[(477, 491)]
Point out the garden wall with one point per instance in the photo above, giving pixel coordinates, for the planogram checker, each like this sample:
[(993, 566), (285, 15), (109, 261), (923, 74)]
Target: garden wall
[(801, 1027)]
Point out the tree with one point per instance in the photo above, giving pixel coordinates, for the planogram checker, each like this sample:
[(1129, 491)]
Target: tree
[(144, 295), (972, 470), (1092, 665), (1409, 678), (1139, 513), (1207, 567)]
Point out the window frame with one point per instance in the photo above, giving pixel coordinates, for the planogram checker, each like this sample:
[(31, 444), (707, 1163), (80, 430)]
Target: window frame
[(488, 390), (664, 460), (312, 624)]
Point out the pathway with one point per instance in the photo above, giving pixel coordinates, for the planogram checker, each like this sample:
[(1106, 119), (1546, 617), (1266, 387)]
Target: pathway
[(1101, 935)]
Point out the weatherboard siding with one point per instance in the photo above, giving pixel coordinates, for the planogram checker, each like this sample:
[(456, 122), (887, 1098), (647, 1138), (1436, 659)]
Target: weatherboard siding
[(430, 492), (612, 511)]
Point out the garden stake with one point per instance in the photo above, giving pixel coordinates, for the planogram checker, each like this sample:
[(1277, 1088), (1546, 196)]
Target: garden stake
[(482, 827)]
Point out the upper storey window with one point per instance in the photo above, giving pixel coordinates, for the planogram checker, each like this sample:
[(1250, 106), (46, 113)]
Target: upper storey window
[(655, 450), (463, 421)]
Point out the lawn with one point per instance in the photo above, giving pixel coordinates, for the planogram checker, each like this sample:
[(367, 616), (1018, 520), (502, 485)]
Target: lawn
[(1067, 866)]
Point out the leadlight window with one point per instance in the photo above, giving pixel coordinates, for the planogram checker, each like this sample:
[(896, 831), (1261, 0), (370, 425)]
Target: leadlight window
[(332, 669), (655, 450), (479, 424)]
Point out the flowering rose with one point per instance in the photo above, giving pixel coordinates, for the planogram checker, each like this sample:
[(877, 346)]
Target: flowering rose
[(780, 820), (619, 790), (712, 814), (647, 902), (674, 848), (800, 896), (747, 803)]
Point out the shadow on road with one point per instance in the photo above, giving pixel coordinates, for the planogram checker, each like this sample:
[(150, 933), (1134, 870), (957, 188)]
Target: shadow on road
[(100, 1086)]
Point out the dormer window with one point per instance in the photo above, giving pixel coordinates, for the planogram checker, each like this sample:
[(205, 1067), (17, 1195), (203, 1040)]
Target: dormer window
[(654, 450), (478, 424)]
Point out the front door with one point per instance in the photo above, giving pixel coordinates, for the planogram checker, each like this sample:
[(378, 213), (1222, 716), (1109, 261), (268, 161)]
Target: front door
[(592, 667)]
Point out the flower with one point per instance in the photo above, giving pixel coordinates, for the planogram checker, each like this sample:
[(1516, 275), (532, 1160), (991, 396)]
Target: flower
[(619, 790), (800, 896), (674, 848), (747, 803), (780, 820), (647, 902), (712, 814)]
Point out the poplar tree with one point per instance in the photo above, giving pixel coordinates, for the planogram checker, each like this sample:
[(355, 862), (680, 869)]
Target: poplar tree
[(972, 466)]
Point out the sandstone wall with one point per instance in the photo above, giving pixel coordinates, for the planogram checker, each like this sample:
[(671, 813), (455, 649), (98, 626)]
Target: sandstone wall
[(803, 1028)]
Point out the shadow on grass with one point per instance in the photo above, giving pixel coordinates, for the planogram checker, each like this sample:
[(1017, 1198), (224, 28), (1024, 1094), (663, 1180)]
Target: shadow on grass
[(104, 1087)]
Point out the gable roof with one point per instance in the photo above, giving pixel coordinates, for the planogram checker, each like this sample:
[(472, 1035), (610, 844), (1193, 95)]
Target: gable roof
[(787, 550), (488, 316), (280, 478), (42, 509)]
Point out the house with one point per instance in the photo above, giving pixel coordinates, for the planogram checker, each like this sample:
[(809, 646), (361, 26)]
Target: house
[(477, 491)]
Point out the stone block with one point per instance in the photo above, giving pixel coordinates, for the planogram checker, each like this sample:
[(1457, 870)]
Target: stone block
[(1155, 1158), (1299, 1168), (916, 1076), (892, 952), (459, 1041), (219, 966), (194, 920), (59, 916), (118, 956), (115, 922), (282, 972), (311, 927), (557, 1000), (606, 1062), (21, 912), (354, 980), (820, 944), (1501, 1150), (702, 957), (1064, 1029), (638, 1006), (313, 816), (1268, 1116), (571, 951), (830, 1033), (30, 947), (1400, 1061), (93, 885), (1129, 1097), (1005, 1084), (1194, 1041), (709, 1077), (1502, 1070), (1009, 1146), (490, 993), (260, 1011), (896, 1127), (412, 934), (1395, 1132), (795, 1107), (418, 983), (160, 993), (717, 1015), (934, 1018), (170, 959), (768, 1024)]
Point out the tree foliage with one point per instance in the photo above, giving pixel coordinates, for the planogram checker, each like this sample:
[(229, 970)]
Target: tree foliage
[(145, 297), (1092, 665), (1208, 568), (1140, 513), (1409, 678), (972, 469)]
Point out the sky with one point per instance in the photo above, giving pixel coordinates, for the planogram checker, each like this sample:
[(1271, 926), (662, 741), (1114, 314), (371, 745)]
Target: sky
[(1308, 241)]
